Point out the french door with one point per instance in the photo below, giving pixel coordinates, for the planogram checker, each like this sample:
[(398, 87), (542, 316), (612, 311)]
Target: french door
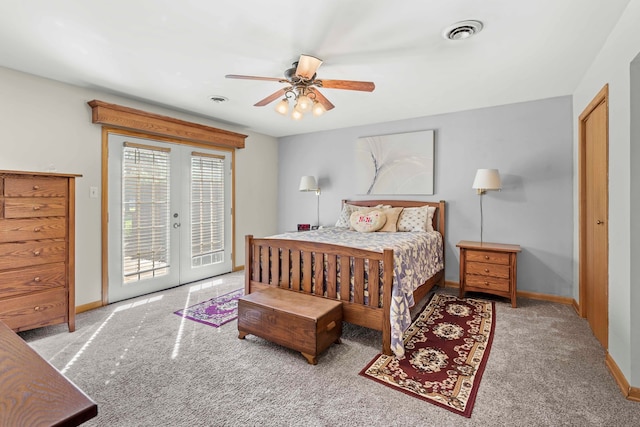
[(169, 215)]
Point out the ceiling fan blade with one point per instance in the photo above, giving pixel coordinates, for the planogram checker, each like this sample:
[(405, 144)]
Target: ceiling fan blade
[(269, 99), (237, 76), (347, 84), (307, 66), (322, 100)]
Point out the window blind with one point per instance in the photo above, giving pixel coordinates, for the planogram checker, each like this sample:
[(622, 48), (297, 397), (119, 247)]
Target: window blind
[(145, 211), (207, 209)]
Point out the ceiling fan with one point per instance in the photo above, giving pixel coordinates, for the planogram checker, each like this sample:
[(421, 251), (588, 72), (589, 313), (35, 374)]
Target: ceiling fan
[(302, 87)]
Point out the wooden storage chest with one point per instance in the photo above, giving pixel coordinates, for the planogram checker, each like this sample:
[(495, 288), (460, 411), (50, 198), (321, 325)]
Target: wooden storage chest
[(37, 240), (301, 322)]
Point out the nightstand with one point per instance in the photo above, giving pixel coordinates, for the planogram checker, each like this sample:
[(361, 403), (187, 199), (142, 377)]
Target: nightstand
[(489, 268)]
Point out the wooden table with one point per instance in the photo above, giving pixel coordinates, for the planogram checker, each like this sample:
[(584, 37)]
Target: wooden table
[(32, 392)]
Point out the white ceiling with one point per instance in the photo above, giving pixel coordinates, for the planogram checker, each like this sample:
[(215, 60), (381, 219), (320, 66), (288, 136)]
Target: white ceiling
[(176, 53)]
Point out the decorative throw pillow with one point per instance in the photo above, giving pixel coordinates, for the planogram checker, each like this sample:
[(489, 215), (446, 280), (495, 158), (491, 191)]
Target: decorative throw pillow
[(345, 215), (366, 222), (416, 219), (391, 224)]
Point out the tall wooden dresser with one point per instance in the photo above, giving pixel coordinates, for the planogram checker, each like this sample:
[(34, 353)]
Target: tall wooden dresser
[(37, 249)]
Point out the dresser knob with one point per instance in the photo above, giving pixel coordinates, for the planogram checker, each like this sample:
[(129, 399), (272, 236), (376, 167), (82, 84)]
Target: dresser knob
[(37, 229), (36, 208), (36, 187), (36, 253), (486, 283), (486, 257), (36, 308), (486, 270), (36, 279)]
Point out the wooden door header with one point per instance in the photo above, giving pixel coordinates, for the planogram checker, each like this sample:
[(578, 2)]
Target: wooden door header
[(129, 118)]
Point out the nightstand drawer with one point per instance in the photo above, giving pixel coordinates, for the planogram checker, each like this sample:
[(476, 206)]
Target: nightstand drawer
[(488, 256), (485, 282), (486, 269)]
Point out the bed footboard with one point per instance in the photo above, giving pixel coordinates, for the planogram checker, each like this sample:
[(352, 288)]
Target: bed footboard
[(361, 279)]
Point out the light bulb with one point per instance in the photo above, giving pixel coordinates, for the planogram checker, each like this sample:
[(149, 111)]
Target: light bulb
[(282, 107), (304, 103), (296, 114), (318, 109)]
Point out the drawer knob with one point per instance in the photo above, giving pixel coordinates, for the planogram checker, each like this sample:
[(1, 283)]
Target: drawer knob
[(486, 283), (36, 187), (36, 308), (37, 229), (486, 270), (36, 208), (36, 253), (486, 257), (36, 279)]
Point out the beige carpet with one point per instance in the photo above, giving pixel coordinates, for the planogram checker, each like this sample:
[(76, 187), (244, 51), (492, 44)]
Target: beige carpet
[(145, 366)]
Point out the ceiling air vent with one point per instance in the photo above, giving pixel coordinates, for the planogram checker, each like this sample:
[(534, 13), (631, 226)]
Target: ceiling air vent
[(462, 30)]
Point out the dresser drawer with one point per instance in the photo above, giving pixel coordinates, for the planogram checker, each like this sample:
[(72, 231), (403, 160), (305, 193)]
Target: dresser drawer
[(35, 187), (12, 230), (30, 207), (26, 254), (32, 279), (487, 282), (34, 310), (486, 269), (488, 256)]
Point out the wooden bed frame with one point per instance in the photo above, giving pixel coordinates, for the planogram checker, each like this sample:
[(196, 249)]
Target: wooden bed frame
[(265, 268)]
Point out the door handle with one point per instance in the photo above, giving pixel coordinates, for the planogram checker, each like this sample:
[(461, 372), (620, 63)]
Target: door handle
[(176, 224), (599, 222)]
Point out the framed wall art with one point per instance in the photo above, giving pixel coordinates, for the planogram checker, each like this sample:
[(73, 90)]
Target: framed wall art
[(395, 164)]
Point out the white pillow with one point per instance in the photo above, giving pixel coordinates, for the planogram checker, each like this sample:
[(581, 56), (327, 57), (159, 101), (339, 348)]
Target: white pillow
[(367, 222), (416, 219)]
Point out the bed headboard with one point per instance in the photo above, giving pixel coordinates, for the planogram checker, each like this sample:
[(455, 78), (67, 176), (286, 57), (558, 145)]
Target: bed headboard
[(438, 216)]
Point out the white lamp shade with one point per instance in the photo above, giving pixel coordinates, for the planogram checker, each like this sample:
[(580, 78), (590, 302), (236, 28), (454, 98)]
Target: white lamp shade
[(487, 179), (308, 183)]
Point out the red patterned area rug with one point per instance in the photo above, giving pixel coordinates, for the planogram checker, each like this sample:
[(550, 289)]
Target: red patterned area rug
[(215, 311), (447, 348)]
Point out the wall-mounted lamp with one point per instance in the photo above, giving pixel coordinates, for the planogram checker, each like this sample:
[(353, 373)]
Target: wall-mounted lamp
[(486, 179), (308, 183)]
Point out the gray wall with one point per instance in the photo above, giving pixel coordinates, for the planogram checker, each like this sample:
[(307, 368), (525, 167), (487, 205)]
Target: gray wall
[(530, 143)]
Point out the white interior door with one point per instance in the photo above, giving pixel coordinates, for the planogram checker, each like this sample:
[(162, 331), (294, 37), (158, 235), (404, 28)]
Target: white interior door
[(169, 215)]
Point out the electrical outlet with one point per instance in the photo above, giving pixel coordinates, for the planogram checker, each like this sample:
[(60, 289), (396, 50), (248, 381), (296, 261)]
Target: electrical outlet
[(93, 192)]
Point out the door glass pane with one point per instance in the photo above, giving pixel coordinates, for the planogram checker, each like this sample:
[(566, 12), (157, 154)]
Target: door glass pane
[(207, 209), (145, 212)]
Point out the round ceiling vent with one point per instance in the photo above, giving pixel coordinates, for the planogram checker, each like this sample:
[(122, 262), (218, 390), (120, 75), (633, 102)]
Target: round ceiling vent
[(462, 30)]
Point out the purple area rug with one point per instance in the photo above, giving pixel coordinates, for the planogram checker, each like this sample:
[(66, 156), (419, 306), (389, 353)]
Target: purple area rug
[(215, 311)]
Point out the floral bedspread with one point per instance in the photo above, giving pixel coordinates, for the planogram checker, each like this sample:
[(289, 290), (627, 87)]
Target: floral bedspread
[(417, 257)]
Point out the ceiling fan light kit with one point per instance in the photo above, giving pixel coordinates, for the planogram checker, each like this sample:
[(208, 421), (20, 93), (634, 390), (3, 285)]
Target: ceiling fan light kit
[(303, 88)]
